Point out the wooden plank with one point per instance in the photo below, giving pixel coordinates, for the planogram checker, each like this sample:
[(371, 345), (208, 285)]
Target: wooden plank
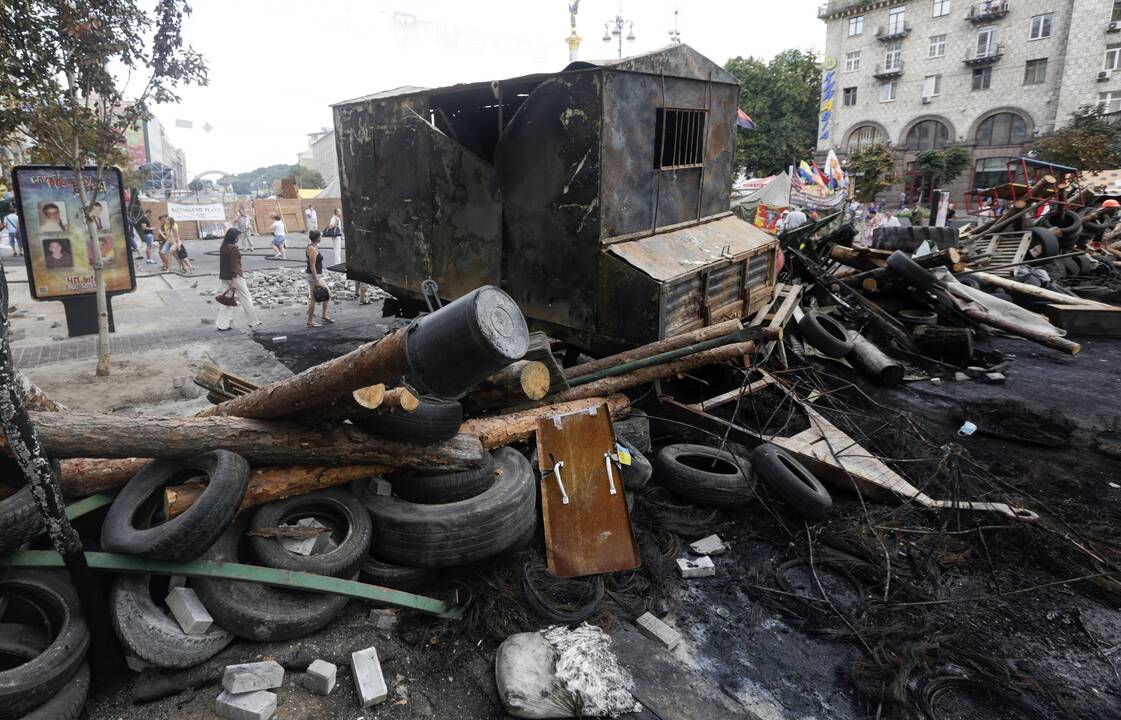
[(1085, 321), (725, 398), (587, 528)]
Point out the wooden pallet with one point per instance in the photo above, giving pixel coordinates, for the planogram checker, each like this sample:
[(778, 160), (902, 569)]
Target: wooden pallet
[(1000, 249), (220, 385), (775, 315)]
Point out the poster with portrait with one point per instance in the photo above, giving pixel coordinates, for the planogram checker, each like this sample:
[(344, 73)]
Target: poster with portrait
[(59, 250)]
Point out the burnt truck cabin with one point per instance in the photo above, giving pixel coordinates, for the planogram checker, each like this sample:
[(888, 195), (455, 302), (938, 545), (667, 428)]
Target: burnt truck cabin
[(597, 197)]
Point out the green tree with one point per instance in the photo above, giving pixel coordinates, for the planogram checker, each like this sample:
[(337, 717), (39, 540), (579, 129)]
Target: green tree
[(942, 166), (312, 179), (871, 169), (783, 97), (61, 60), (1090, 142)]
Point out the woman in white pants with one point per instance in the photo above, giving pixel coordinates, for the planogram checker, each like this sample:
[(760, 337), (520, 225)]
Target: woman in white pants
[(335, 232), (232, 278)]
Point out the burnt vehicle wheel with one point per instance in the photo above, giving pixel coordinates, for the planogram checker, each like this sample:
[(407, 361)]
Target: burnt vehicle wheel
[(461, 532), (1044, 243), (825, 334), (1091, 227), (913, 273), (375, 571), (349, 530), (1069, 223), (1085, 267), (20, 519), (791, 481), (185, 536), (433, 419), (150, 634), (951, 695), (705, 476), (24, 642), (441, 487)]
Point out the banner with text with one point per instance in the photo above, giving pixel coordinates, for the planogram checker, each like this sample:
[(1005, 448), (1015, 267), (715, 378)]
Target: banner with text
[(187, 213)]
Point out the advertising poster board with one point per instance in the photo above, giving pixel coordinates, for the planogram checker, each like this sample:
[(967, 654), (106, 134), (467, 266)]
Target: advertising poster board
[(58, 251), (766, 218)]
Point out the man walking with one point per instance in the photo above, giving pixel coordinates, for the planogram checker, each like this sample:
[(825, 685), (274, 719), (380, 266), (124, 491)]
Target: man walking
[(147, 234), (11, 226), (244, 226), (796, 218), (311, 219)]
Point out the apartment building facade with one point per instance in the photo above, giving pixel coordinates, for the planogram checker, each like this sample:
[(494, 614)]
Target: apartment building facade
[(988, 76)]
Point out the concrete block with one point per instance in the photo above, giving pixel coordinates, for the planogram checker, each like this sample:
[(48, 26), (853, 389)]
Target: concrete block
[(280, 339), (658, 631), (383, 487), (368, 679), (960, 377), (249, 677), (701, 567), (259, 705), (935, 381), (176, 581), (995, 378), (320, 677), (189, 611), (384, 620), (308, 546), (974, 372), (711, 545)]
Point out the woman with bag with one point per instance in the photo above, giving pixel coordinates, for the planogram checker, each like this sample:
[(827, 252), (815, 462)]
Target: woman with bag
[(335, 232), (317, 288), (178, 249), (233, 280)]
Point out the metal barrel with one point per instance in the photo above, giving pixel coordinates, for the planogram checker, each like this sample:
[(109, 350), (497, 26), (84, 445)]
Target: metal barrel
[(466, 341)]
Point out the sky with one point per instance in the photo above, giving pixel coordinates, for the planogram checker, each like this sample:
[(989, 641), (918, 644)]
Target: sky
[(276, 66)]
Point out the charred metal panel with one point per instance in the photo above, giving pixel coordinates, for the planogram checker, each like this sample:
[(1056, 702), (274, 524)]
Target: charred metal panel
[(681, 306), (674, 61), (548, 169), (720, 149), (630, 104), (629, 302)]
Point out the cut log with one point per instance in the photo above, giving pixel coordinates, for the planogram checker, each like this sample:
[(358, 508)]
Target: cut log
[(617, 383), (85, 435), (1086, 321), (520, 380), (500, 430), (950, 258), (399, 399), (1011, 327), (859, 259), (871, 361), (1037, 292), (383, 361), (370, 397), (34, 398), (541, 350), (943, 342), (655, 348)]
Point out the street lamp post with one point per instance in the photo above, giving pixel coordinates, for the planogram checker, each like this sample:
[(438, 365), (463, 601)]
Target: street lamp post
[(573, 39), (675, 34), (617, 30)]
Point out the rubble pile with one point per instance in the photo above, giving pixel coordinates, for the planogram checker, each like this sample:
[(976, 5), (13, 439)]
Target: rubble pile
[(288, 286)]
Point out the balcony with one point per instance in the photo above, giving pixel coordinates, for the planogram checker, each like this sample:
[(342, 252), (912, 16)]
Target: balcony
[(985, 57), (887, 72), (838, 7), (983, 12), (893, 32)]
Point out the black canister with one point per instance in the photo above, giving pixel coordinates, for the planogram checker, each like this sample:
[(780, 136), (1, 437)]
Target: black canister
[(466, 341)]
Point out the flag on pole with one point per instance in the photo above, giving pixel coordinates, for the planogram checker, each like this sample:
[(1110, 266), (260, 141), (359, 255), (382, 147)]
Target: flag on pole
[(743, 120), (805, 172)]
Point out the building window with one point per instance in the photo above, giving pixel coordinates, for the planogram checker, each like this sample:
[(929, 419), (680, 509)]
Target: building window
[(1035, 72), (850, 96), (865, 135), (852, 61), (985, 44), (932, 86), (893, 56), (1113, 56), (928, 135), (989, 172), (1110, 101), (937, 46), (856, 25), (1116, 11), (941, 7), (982, 78), (887, 91), (1002, 129), (1040, 27), (896, 20), (680, 135)]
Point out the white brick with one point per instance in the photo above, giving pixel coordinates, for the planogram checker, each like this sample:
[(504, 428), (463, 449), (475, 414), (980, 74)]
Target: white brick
[(248, 677), (658, 631), (711, 545), (368, 679), (699, 568), (189, 611), (320, 677), (259, 705)]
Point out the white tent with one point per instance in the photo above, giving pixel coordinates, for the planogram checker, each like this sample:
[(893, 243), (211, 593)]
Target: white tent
[(775, 193)]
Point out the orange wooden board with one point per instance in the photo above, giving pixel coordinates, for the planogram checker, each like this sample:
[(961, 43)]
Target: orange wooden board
[(592, 532)]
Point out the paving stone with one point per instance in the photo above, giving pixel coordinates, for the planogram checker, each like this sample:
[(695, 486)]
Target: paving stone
[(974, 372), (658, 631), (960, 377), (189, 611), (247, 677), (711, 545), (259, 705), (384, 620), (701, 567), (368, 679), (279, 339), (383, 487), (935, 381), (995, 378), (320, 677)]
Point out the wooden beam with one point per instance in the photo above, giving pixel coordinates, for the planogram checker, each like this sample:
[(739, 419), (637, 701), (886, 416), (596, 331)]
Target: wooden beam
[(1086, 321)]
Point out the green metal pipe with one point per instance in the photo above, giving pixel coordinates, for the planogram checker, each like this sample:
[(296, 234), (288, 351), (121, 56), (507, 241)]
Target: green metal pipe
[(116, 562), (736, 337), (89, 504)]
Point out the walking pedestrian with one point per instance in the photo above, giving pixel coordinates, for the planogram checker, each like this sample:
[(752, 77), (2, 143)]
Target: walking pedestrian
[(317, 288), (178, 249), (232, 277), (244, 225), (311, 219), (144, 227), (165, 242), (279, 236), (335, 232), (902, 200), (11, 225)]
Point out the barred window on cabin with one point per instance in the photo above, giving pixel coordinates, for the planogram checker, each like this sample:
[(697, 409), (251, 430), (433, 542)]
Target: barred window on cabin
[(680, 137)]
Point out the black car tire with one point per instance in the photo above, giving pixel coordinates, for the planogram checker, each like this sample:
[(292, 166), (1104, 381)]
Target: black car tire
[(25, 642), (1091, 227), (29, 685), (791, 481), (151, 634), (825, 334), (397, 577), (705, 476), (1068, 222), (438, 488), (433, 419), (185, 536), (20, 520), (910, 271), (1070, 266), (461, 532), (349, 516), (253, 611), (1084, 265), (1046, 240)]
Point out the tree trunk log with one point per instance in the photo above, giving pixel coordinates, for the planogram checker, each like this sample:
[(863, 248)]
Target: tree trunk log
[(655, 348), (617, 383), (499, 430), (541, 350), (950, 257), (1013, 328), (383, 361), (944, 342), (522, 380), (870, 360), (78, 435), (34, 399), (1037, 292), (997, 223)]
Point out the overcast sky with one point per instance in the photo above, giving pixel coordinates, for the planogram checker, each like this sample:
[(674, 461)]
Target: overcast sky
[(277, 65)]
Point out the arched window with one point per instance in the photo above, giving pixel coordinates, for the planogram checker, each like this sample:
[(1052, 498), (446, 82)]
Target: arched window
[(1002, 129), (928, 135), (990, 172), (866, 135)]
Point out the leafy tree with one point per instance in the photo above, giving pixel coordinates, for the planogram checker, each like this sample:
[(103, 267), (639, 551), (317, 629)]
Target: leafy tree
[(942, 166), (783, 97), (1090, 142), (195, 186), (871, 168), (61, 60), (246, 183), (312, 179)]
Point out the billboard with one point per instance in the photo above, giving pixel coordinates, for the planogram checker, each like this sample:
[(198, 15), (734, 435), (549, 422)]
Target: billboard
[(57, 245)]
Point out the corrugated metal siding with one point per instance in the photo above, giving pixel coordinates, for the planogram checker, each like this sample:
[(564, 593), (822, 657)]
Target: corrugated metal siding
[(681, 306)]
